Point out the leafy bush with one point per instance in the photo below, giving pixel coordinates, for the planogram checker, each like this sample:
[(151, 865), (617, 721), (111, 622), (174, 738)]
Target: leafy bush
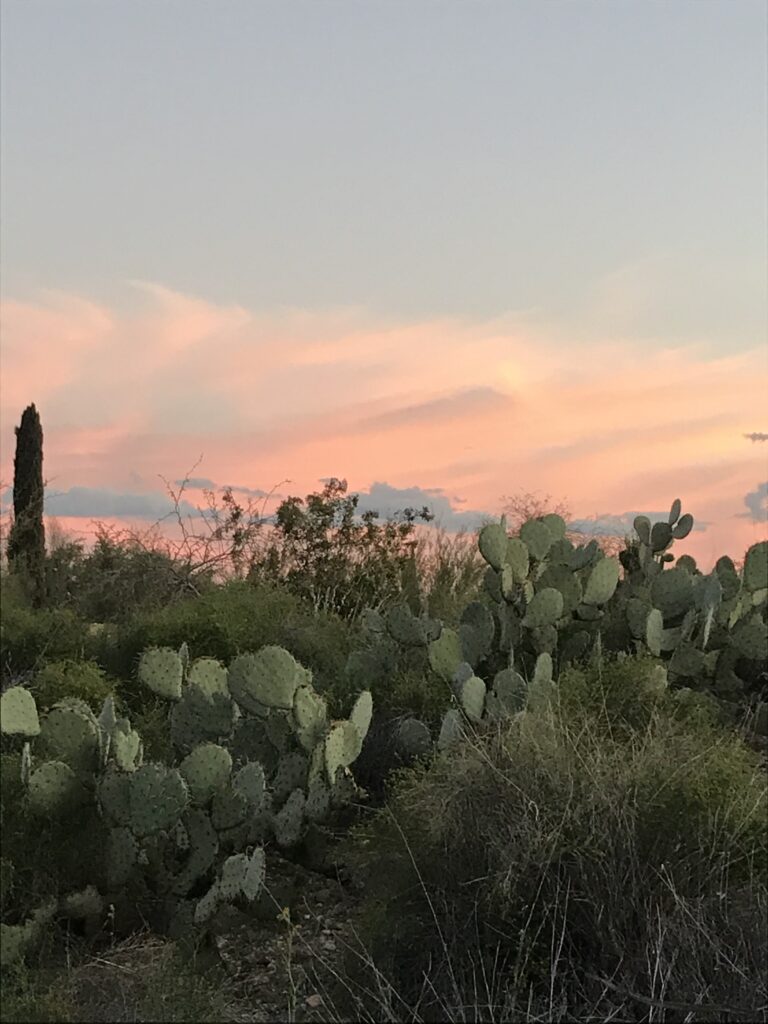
[(229, 620), (67, 678), (31, 637), (554, 849)]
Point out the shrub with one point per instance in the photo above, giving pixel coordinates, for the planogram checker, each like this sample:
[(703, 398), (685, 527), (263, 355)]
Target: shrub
[(67, 678), (554, 851), (31, 637), (230, 620)]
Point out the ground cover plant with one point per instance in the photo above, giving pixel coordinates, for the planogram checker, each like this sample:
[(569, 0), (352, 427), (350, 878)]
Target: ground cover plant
[(550, 755)]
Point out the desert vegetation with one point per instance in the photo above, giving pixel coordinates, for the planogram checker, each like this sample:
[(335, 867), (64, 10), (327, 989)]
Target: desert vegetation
[(329, 767)]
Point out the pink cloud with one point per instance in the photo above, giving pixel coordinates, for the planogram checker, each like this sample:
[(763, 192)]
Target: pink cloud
[(478, 409)]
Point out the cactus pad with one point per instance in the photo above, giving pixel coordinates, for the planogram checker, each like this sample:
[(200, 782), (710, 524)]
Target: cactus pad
[(206, 770), (161, 670), (18, 713), (268, 678), (158, 797)]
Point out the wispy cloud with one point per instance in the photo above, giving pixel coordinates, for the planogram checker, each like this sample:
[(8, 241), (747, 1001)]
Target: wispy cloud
[(436, 408), (756, 436)]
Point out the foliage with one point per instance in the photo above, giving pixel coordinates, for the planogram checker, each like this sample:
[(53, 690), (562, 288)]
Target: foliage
[(556, 846), (256, 760), (26, 540), (29, 637), (227, 621), (334, 558), (84, 680)]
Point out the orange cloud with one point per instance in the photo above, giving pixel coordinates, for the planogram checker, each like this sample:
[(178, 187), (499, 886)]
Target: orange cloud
[(476, 409)]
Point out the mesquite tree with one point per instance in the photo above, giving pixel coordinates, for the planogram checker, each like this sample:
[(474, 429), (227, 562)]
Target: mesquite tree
[(26, 540)]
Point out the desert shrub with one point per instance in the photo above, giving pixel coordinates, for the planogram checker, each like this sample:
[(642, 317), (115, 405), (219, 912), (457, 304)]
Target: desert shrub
[(67, 678), (31, 637), (553, 851), (42, 863), (229, 620)]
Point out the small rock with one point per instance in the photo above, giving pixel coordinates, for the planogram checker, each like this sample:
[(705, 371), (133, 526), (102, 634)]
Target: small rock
[(314, 1001)]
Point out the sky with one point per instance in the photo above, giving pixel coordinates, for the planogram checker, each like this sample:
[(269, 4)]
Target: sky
[(449, 250)]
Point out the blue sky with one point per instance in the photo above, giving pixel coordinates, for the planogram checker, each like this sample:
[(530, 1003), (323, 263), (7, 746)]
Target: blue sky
[(412, 158)]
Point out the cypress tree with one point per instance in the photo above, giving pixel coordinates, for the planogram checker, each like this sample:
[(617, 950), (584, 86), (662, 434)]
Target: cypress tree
[(26, 540)]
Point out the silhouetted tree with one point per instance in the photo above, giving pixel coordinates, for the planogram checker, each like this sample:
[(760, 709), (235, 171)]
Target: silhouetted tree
[(26, 540)]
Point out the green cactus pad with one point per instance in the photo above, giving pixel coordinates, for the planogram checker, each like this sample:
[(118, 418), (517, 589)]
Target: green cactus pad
[(545, 608), (555, 524), (253, 879), (206, 770), (208, 675), (642, 525), (541, 689), (654, 628), (567, 582), (674, 512), (310, 716), (661, 536), (69, 734), (161, 670), (412, 738), (361, 713), (750, 639), (756, 567), (269, 678), (672, 592), (18, 713), (476, 632), (637, 610), (544, 639), (681, 530), (492, 584), (126, 746), (207, 905), (602, 582), (158, 798), (508, 583), (342, 746), (251, 743), (688, 661), (492, 542), (121, 856), (510, 690), (292, 773), (686, 562), (473, 698), (583, 555), (452, 729), (575, 647), (289, 820), (228, 810), (537, 538), (54, 789), (318, 800), (250, 783), (404, 627), (114, 796), (445, 654)]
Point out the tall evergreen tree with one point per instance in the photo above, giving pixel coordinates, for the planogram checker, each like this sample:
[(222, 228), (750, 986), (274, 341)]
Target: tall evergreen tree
[(26, 540)]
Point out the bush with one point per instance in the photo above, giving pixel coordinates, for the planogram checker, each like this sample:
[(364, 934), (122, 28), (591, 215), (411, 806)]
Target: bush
[(67, 678), (31, 637), (554, 852), (229, 620)]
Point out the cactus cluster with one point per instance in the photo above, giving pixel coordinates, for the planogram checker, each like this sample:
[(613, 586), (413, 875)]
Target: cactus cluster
[(548, 603), (258, 761)]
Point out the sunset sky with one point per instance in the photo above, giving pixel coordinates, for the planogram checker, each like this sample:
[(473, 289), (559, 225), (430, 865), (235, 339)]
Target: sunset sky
[(449, 250)]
